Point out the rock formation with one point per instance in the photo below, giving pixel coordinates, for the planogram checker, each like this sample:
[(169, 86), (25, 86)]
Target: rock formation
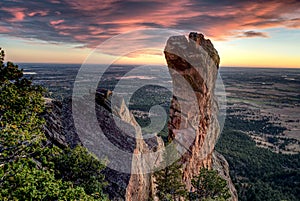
[(193, 124), (59, 127), (61, 131), (220, 164), (193, 64), (193, 110)]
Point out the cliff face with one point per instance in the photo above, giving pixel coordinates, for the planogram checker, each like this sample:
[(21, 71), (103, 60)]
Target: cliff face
[(193, 65), (59, 127), (193, 109), (60, 130), (220, 164)]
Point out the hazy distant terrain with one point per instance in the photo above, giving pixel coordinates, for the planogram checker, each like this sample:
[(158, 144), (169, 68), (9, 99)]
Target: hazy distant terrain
[(263, 103)]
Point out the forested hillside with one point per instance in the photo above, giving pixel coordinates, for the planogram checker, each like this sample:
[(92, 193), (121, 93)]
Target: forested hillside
[(31, 167), (258, 173)]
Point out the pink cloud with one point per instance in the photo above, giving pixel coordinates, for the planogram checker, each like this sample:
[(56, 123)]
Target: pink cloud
[(63, 33), (56, 22), (17, 13), (19, 16), (4, 30), (294, 23), (41, 13), (91, 22), (92, 5), (81, 37), (220, 22), (252, 15), (55, 1)]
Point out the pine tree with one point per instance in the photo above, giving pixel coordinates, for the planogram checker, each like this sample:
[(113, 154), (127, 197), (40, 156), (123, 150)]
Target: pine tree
[(169, 180), (209, 185)]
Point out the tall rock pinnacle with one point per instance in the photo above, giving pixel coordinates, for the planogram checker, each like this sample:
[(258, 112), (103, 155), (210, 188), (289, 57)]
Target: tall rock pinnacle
[(193, 65)]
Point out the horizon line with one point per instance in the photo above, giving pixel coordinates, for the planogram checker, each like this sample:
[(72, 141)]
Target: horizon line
[(278, 67)]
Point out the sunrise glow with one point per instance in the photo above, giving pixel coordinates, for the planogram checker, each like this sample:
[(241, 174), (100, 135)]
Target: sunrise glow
[(264, 34)]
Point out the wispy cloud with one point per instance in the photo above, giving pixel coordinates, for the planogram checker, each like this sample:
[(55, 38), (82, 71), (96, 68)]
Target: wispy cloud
[(252, 34), (56, 22), (38, 13), (91, 22)]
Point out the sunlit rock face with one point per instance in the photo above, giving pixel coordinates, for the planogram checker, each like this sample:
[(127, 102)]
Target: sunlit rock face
[(193, 65), (193, 108)]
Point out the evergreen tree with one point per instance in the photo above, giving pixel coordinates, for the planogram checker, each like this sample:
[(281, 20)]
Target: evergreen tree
[(83, 169), (169, 180), (209, 185)]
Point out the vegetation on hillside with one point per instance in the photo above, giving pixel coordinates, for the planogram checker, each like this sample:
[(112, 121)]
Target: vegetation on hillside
[(207, 185), (169, 180), (32, 168), (258, 173)]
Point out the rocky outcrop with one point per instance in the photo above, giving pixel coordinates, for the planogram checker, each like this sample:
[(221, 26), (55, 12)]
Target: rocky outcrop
[(207, 45), (220, 164), (61, 131), (193, 65), (193, 108), (53, 127), (138, 187), (59, 127)]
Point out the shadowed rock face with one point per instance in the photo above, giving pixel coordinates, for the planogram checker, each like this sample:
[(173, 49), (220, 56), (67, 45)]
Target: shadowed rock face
[(61, 131), (220, 164), (206, 45), (59, 127)]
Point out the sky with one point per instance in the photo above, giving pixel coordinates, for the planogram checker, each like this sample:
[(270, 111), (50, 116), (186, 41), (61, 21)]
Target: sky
[(252, 33)]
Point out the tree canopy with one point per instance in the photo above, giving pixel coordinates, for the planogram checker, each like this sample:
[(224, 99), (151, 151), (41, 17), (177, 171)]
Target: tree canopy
[(209, 185), (169, 180)]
